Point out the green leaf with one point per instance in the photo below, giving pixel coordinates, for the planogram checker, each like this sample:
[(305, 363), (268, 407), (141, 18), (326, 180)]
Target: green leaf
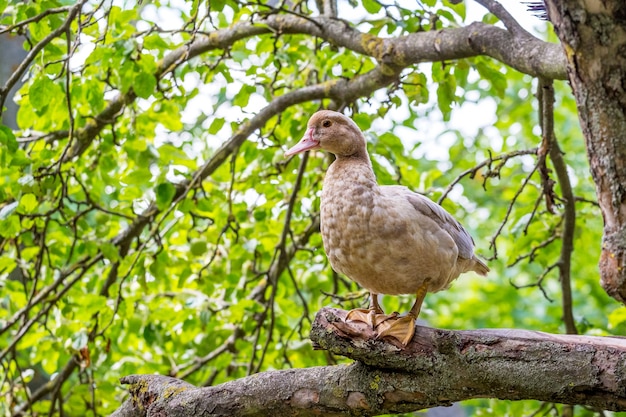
[(40, 92), (165, 192), (144, 84), (198, 248), (6, 265), (494, 76), (243, 96), (416, 88), (110, 251), (169, 116), (154, 41), (372, 6), (445, 98), (7, 138), (216, 125), (28, 202), (150, 334), (617, 316), (20, 159), (10, 226), (139, 176), (217, 5)]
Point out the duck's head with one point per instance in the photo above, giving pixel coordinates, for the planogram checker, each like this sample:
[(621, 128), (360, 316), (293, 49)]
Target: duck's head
[(334, 133)]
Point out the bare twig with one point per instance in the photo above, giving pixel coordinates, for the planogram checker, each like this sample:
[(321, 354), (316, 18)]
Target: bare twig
[(279, 263), (539, 281), (547, 183), (471, 172), (198, 363), (84, 267), (492, 243), (533, 252), (48, 387), (43, 293), (585, 200)]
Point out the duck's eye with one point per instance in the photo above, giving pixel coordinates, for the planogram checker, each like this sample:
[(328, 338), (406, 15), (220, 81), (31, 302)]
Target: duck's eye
[(326, 123)]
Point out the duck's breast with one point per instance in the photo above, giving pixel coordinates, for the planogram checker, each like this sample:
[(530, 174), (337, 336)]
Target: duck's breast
[(376, 237)]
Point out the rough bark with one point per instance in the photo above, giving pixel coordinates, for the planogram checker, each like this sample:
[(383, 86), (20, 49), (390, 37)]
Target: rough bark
[(593, 34), (437, 368)]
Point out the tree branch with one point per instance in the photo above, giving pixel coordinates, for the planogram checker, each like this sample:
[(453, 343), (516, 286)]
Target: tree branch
[(526, 54), (546, 105), (437, 368)]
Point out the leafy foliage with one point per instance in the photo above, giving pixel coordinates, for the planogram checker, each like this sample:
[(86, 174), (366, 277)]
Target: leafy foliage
[(146, 227)]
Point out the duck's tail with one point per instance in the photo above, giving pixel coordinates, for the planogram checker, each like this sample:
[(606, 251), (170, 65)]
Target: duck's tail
[(480, 266)]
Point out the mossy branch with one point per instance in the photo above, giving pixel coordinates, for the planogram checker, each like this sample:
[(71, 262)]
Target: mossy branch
[(437, 368)]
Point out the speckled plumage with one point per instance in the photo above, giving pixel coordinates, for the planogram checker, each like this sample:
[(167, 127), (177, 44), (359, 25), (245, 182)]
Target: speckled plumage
[(376, 236), (388, 239)]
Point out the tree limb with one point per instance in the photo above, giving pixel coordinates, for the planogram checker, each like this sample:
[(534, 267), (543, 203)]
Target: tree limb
[(526, 54), (437, 368), (546, 97)]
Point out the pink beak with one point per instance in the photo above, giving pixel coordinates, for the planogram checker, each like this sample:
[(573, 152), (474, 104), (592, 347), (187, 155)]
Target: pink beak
[(307, 143)]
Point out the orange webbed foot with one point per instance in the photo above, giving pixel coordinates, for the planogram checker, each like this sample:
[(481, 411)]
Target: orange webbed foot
[(402, 329), (372, 316)]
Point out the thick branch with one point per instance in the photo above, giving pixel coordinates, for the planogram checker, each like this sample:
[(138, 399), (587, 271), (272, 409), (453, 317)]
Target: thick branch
[(526, 54), (438, 367)]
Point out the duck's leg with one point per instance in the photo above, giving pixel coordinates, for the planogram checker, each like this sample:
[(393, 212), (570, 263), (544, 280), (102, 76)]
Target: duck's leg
[(403, 328), (374, 315)]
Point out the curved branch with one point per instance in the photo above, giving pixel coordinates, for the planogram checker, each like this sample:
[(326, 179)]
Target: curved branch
[(526, 54), (546, 95), (437, 368)]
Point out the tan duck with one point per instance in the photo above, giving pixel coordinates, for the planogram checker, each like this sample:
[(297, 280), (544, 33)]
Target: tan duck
[(388, 239)]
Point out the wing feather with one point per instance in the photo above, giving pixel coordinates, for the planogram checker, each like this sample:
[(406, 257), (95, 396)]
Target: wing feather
[(434, 211)]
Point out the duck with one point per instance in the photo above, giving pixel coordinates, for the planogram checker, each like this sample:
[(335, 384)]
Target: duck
[(387, 238)]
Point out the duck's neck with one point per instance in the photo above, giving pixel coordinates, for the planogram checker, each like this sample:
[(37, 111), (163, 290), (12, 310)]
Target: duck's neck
[(351, 169)]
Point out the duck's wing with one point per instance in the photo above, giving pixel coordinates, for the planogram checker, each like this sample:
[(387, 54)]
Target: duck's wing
[(441, 217)]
